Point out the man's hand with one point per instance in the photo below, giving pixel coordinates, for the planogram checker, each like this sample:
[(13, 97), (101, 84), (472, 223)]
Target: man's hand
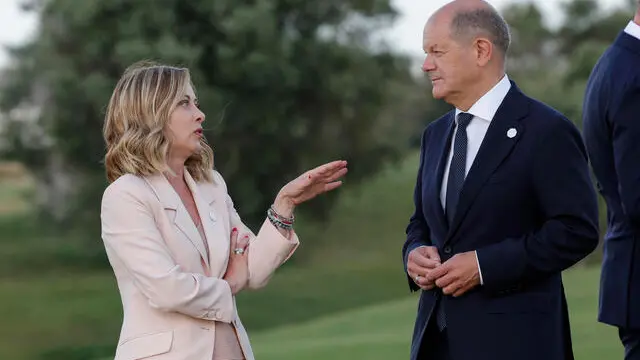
[(420, 262), (457, 275)]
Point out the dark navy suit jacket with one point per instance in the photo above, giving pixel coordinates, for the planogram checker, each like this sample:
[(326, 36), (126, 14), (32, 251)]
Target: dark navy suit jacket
[(529, 208), (611, 120)]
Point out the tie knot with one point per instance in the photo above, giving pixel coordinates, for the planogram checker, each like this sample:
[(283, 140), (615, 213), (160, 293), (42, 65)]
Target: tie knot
[(464, 119)]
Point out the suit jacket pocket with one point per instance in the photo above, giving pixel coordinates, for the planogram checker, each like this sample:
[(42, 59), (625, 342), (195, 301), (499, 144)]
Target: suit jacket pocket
[(519, 303), (145, 346)]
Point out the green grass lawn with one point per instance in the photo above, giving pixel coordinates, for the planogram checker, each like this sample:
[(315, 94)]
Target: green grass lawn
[(383, 331), (54, 311), (75, 311)]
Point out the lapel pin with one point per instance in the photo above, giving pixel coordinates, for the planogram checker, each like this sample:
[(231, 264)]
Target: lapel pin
[(511, 133)]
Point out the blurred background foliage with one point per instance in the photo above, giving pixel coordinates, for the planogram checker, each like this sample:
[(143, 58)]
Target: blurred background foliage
[(286, 85)]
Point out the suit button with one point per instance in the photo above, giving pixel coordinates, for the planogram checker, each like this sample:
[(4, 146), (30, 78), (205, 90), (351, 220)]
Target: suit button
[(212, 216), (447, 250)]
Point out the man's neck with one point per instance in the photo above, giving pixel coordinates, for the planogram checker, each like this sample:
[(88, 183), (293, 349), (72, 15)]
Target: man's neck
[(636, 19), (483, 87)]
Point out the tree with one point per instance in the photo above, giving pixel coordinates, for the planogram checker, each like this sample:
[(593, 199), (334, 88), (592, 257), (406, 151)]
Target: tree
[(286, 84)]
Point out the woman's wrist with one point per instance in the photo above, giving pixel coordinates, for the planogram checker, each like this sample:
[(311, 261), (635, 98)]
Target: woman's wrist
[(234, 286), (283, 207), (280, 214)]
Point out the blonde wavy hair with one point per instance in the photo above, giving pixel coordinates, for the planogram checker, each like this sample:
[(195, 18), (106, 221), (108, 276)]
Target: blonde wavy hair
[(137, 116)]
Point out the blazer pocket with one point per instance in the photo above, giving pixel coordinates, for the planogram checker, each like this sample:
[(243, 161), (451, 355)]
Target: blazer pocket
[(519, 303), (145, 346)]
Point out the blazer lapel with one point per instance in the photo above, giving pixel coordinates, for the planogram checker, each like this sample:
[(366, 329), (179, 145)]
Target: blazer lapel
[(171, 201), (218, 239), (495, 147), (443, 155)]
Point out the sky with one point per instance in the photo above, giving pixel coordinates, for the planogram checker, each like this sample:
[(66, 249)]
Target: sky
[(406, 33)]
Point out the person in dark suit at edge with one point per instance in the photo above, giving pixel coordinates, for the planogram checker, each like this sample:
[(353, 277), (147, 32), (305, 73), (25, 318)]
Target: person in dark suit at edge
[(503, 204), (611, 128)]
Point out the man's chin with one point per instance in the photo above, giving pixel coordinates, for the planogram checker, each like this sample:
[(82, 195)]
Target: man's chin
[(437, 93)]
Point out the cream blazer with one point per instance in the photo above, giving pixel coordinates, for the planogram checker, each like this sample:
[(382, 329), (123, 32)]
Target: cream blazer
[(159, 260)]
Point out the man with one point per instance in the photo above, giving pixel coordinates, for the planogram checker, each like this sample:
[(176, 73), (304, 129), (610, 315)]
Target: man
[(503, 204), (611, 120)]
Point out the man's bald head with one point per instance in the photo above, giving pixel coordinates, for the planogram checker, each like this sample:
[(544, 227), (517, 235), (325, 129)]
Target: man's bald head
[(465, 43), (469, 19)]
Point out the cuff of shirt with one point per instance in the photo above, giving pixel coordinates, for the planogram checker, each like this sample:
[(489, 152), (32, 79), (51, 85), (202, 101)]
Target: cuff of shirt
[(479, 271)]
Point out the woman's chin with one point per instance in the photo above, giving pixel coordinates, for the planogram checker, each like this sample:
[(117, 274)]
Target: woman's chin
[(195, 149)]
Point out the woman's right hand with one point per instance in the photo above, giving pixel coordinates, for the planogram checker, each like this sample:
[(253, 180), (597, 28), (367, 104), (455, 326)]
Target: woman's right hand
[(307, 186), (237, 274)]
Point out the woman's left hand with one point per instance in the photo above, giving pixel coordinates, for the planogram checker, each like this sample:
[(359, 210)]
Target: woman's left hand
[(310, 184)]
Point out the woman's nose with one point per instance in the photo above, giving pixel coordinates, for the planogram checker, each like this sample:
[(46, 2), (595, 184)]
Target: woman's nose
[(199, 115)]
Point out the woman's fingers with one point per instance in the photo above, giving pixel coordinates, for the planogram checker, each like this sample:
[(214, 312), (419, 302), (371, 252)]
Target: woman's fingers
[(336, 175), (332, 186), (234, 240), (328, 168), (234, 237), (243, 242)]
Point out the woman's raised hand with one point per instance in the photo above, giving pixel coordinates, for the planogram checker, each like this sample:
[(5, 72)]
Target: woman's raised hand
[(308, 185)]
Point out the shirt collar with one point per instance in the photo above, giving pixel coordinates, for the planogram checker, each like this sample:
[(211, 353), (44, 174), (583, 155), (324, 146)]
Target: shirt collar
[(487, 106), (633, 29)]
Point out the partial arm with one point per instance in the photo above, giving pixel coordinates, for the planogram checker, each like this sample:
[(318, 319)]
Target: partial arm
[(132, 240), (268, 249), (417, 231), (626, 152), (569, 210)]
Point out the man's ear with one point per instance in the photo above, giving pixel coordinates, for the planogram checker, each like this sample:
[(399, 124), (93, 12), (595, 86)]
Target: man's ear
[(484, 50)]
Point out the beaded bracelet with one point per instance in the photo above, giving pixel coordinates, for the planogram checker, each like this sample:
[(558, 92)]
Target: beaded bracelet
[(279, 220)]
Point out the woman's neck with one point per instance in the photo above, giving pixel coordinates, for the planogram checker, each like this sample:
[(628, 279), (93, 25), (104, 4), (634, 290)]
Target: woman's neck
[(177, 167)]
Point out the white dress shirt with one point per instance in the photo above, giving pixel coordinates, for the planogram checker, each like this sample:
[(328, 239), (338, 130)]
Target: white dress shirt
[(483, 112), (633, 29)]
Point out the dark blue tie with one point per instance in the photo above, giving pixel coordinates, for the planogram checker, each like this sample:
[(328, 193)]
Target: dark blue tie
[(457, 170), (457, 173)]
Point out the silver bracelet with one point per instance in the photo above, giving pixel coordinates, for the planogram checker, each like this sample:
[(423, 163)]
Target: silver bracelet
[(278, 220)]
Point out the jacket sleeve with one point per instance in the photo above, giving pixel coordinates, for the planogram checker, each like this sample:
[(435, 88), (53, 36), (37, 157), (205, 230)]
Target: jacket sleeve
[(568, 229), (134, 243), (417, 231), (268, 249), (626, 151)]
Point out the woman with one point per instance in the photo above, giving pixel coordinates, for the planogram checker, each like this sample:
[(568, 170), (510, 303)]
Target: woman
[(179, 250)]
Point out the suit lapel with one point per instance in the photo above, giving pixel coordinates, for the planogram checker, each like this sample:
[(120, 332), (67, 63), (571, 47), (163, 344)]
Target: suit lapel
[(208, 203), (495, 147), (171, 201), (443, 155)]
